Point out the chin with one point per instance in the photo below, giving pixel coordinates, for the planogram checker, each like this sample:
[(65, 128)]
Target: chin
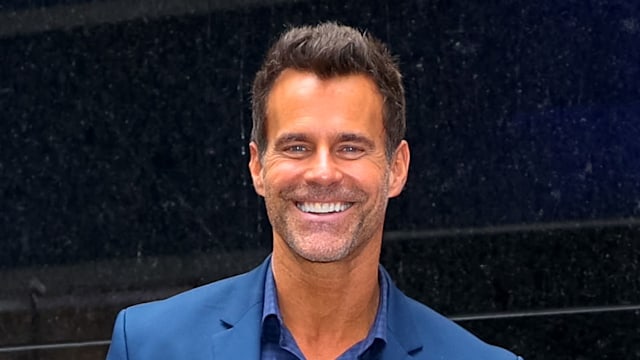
[(321, 255)]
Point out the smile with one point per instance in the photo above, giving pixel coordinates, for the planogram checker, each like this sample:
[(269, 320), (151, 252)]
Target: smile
[(323, 208)]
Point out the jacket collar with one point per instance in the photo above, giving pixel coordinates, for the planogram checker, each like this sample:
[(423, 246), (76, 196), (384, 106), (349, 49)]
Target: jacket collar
[(241, 317), (403, 338), (243, 313)]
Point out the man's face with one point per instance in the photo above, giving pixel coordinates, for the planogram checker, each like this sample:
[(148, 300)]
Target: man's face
[(324, 175)]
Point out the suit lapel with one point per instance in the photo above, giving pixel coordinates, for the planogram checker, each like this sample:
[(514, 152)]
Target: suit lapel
[(403, 338), (242, 339), (241, 321)]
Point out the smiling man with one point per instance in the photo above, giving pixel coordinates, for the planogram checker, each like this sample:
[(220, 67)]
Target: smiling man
[(327, 152)]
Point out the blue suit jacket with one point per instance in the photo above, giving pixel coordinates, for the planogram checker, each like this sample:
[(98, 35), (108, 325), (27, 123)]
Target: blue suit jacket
[(222, 320)]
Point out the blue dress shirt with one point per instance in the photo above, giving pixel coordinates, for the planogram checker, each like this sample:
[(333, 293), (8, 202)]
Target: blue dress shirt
[(278, 343)]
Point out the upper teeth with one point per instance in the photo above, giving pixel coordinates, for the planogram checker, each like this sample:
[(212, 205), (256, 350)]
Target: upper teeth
[(323, 208)]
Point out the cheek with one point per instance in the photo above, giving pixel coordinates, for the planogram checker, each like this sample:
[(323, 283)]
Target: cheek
[(278, 173), (370, 175), (372, 171)]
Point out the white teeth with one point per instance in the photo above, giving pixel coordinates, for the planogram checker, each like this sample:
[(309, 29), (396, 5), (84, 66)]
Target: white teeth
[(323, 208)]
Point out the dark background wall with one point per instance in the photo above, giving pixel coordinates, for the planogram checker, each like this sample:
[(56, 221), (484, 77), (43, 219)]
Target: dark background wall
[(123, 150)]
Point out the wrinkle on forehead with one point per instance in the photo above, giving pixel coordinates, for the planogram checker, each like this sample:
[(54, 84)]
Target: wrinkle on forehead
[(301, 98)]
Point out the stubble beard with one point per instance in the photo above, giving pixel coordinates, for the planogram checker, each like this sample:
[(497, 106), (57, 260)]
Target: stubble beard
[(323, 242)]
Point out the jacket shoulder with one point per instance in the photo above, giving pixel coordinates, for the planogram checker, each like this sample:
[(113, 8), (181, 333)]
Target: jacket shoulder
[(449, 340), (213, 298), (185, 322)]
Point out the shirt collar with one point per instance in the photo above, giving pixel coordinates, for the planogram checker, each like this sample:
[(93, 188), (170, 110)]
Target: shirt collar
[(271, 310), (271, 318), (270, 306)]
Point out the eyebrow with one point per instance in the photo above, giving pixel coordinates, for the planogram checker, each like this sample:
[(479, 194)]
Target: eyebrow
[(357, 138), (289, 138)]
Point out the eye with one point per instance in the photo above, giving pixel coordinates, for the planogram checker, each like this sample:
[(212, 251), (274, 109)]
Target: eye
[(296, 151), (351, 151), (296, 148)]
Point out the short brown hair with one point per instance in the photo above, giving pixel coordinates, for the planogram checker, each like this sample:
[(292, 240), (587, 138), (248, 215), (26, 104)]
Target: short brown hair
[(329, 50)]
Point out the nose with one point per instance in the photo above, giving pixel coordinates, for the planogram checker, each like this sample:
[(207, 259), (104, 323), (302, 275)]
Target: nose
[(323, 169)]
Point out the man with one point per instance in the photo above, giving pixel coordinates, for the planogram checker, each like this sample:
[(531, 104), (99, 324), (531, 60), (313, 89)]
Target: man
[(327, 152)]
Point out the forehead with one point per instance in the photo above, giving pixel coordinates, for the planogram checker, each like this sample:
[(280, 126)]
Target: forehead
[(302, 101)]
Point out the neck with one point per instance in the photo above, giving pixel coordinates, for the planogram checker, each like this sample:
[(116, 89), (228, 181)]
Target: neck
[(328, 307)]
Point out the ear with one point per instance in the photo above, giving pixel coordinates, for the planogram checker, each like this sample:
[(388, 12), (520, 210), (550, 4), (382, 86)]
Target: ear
[(399, 169), (255, 168)]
